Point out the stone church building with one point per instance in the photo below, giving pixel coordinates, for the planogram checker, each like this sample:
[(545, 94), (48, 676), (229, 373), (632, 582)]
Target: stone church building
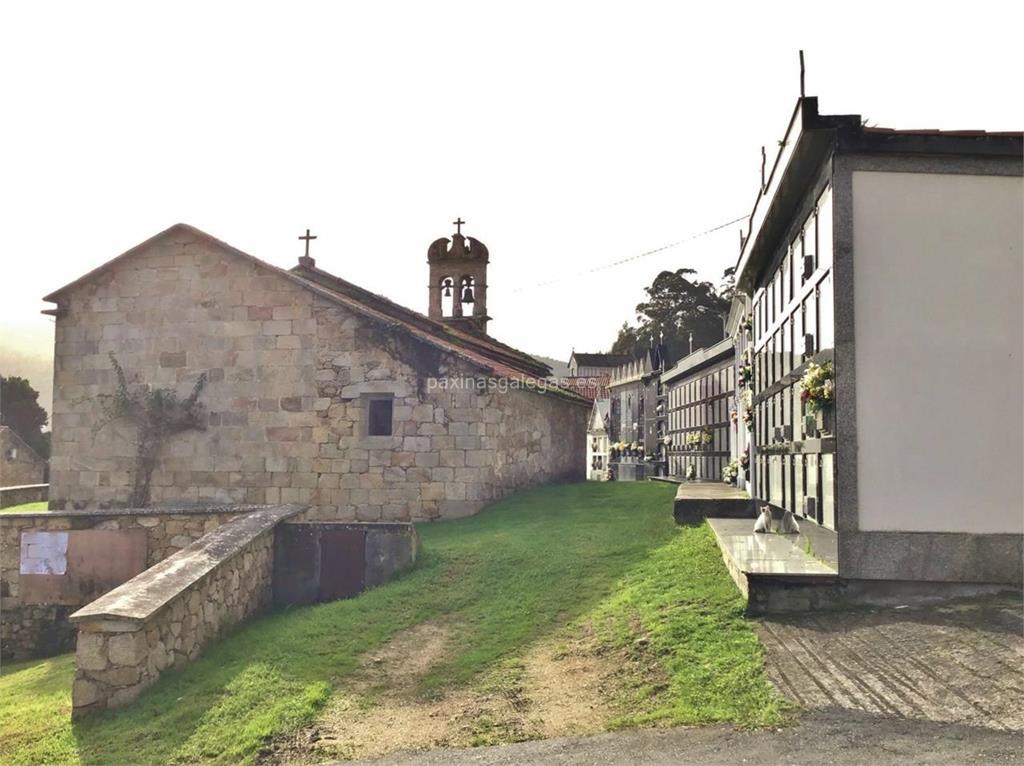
[(316, 391)]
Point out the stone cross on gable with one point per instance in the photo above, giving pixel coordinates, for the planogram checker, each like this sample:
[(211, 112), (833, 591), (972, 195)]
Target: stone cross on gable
[(305, 260), (308, 237)]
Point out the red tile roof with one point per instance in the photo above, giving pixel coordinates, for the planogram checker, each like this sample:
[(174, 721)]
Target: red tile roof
[(588, 387), (482, 344)]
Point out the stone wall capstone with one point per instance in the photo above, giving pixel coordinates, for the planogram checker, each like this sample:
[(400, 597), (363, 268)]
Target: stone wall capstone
[(163, 618)]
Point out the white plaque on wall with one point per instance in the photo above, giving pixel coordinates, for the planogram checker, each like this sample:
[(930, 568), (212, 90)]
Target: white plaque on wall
[(44, 553)]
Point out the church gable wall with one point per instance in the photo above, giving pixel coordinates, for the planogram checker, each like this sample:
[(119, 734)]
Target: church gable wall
[(181, 307), (291, 377)]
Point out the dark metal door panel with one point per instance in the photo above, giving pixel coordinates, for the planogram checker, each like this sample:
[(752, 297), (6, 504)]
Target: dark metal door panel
[(296, 564), (342, 563)]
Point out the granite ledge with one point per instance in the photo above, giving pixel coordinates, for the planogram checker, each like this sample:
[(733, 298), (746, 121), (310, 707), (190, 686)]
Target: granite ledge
[(149, 511), (147, 593)]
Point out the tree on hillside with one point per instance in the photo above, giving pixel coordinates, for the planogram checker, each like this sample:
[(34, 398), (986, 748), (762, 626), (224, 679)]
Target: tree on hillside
[(676, 306), (20, 410), (728, 287)]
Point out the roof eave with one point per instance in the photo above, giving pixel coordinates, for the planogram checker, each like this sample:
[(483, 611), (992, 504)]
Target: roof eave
[(808, 140), (737, 309), (699, 359)]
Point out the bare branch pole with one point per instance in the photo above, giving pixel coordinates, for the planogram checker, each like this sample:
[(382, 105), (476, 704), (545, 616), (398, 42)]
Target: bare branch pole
[(801, 74)]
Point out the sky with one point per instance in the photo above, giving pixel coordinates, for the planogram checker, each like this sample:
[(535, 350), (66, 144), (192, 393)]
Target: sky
[(567, 135)]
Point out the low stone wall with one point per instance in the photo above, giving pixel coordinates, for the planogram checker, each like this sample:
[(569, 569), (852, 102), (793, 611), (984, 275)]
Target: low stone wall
[(26, 493), (34, 610), (163, 617)]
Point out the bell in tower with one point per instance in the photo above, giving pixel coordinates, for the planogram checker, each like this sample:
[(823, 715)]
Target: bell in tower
[(458, 281)]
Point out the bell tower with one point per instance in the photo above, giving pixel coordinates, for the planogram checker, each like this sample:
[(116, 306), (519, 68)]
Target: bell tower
[(458, 281)]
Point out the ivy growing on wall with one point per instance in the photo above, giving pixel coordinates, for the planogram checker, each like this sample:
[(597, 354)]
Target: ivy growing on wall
[(157, 414), (422, 357)]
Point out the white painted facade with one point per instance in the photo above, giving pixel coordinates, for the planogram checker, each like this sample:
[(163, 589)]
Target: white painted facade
[(938, 296), (597, 441)]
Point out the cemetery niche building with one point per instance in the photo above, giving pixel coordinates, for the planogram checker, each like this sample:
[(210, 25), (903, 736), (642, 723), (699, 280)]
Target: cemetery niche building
[(315, 391), (883, 271), (700, 391), (636, 416)]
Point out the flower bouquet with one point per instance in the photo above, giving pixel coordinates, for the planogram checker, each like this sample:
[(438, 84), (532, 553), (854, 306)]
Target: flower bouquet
[(817, 387), (746, 375), (707, 437), (731, 472)]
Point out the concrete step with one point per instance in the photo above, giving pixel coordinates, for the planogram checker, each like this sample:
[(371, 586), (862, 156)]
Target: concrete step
[(697, 500), (777, 573)]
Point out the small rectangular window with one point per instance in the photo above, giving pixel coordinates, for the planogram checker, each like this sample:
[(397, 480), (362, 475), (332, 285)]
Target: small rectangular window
[(380, 412)]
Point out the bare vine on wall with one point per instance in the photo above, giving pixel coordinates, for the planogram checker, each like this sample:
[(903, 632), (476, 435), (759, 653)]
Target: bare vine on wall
[(157, 414)]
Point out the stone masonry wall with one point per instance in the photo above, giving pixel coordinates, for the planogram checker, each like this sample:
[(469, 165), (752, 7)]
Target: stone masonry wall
[(32, 493), (29, 629), (26, 467), (164, 617), (455, 447), (290, 374)]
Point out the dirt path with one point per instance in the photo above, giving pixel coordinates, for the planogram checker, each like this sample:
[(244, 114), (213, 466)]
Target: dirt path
[(839, 739), (557, 689), (888, 680)]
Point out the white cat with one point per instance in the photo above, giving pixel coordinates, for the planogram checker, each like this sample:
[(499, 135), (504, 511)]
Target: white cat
[(764, 520), (789, 525)]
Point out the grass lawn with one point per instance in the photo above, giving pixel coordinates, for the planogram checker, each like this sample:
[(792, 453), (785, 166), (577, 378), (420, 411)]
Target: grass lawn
[(26, 507), (516, 573)]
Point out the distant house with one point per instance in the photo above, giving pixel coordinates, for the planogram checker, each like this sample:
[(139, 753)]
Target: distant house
[(595, 365), (888, 265), (588, 374), (19, 463)]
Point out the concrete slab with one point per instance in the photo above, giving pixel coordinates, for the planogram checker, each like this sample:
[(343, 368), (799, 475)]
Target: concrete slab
[(709, 490), (775, 572), (697, 500), (774, 554)]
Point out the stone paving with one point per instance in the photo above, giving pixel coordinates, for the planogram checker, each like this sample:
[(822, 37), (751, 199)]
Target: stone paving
[(958, 663)]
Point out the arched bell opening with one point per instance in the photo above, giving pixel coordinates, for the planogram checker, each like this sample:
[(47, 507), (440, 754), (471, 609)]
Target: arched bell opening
[(449, 297)]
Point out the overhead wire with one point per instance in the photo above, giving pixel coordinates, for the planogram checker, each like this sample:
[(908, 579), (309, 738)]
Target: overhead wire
[(631, 258)]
